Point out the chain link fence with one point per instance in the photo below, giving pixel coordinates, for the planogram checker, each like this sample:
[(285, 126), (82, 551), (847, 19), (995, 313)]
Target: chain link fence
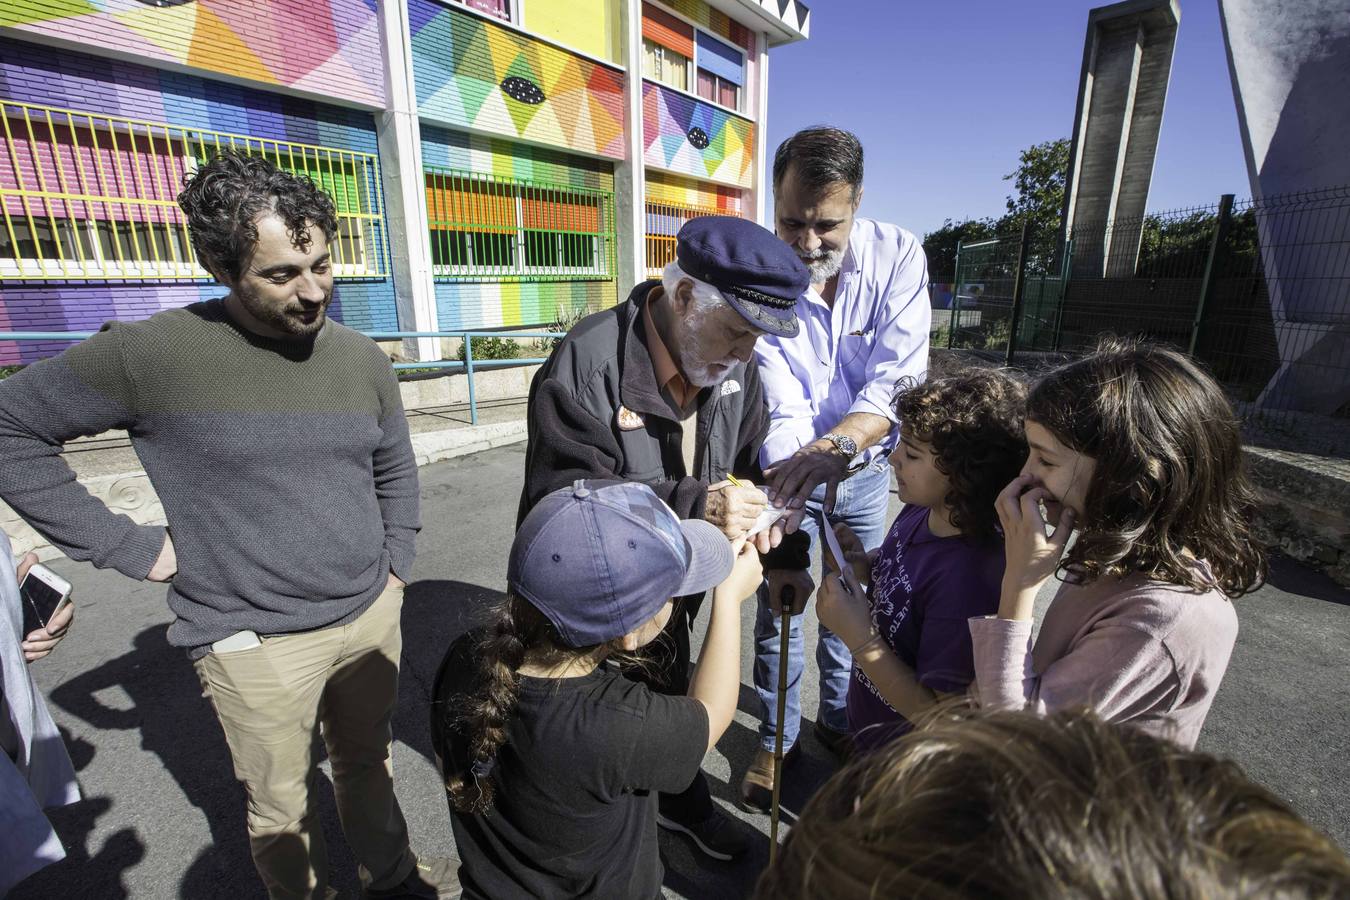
[(1259, 291)]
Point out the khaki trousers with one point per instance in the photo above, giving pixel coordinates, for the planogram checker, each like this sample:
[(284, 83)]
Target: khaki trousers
[(273, 702)]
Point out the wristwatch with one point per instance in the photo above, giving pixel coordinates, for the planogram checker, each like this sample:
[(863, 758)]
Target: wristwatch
[(843, 443)]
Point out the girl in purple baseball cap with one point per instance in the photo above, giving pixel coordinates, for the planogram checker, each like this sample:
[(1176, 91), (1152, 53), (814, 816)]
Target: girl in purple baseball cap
[(553, 759)]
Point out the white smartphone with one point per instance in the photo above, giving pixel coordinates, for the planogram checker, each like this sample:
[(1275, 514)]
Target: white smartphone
[(240, 640), (832, 542), (44, 594)]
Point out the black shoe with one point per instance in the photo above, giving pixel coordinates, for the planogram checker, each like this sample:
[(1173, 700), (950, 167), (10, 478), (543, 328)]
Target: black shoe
[(718, 836), (840, 743), (433, 878)]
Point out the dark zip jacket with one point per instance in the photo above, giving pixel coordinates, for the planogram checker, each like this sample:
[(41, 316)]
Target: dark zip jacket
[(576, 431)]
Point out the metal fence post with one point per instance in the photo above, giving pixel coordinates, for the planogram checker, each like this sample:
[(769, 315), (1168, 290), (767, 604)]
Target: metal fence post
[(1066, 267), (1207, 282), (956, 297), (468, 368), (1019, 285)]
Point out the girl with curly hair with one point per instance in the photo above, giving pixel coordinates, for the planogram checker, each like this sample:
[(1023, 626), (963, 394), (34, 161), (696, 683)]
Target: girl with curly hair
[(1137, 448), (941, 563)]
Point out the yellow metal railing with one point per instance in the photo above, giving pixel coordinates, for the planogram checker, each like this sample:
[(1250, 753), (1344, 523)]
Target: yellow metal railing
[(493, 228), (664, 221), (89, 196)]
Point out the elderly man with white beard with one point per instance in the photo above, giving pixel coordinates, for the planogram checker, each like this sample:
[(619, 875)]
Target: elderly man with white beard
[(664, 389)]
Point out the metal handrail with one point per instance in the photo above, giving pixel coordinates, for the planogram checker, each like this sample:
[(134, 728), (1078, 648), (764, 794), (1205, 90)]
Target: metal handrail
[(467, 366)]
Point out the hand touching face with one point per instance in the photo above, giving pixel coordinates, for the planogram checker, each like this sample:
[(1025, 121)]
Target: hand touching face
[(1065, 474)]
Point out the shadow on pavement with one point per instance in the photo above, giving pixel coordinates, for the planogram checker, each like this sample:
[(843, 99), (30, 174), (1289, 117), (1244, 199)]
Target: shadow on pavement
[(435, 613), (177, 725), (1295, 578), (101, 871)]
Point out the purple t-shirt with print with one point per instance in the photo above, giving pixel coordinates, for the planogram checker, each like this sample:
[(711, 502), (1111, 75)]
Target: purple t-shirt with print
[(924, 589)]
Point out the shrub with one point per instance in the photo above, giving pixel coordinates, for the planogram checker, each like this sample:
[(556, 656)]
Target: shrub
[(492, 348)]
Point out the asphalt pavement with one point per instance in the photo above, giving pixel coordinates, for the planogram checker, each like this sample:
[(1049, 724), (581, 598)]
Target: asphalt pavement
[(163, 816)]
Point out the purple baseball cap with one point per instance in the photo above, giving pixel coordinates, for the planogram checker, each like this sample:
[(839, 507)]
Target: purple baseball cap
[(600, 558)]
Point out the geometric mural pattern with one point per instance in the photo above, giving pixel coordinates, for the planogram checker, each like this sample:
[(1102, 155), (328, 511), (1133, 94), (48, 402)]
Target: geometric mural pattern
[(472, 74), (685, 135), (338, 54), (669, 189), (36, 74)]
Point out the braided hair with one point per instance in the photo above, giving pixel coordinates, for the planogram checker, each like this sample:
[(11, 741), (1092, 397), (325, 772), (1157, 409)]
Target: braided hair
[(485, 713)]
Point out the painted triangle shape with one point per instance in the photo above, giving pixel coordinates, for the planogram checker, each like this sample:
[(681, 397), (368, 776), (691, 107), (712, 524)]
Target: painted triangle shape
[(214, 46), (170, 28)]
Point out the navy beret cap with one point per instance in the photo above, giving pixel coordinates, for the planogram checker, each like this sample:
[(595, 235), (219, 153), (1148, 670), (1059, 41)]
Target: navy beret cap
[(759, 275)]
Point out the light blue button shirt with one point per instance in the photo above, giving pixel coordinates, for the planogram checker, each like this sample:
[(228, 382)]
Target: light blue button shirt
[(848, 358)]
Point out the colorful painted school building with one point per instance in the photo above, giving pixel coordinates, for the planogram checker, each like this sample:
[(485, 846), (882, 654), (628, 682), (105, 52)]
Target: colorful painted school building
[(494, 163)]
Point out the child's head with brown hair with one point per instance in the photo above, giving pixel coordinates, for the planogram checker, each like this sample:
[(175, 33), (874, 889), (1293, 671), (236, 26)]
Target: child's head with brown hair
[(592, 572), (1143, 445), (1014, 805), (961, 442)]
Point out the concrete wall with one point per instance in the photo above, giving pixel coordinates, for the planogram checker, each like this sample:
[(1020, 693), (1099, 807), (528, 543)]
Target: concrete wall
[(1290, 65)]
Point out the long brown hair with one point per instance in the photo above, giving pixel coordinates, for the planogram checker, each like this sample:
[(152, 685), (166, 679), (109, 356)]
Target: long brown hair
[(1169, 479), (1012, 805), (485, 713)]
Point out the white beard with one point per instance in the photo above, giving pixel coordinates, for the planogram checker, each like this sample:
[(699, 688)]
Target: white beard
[(697, 370), (824, 264), (699, 373)]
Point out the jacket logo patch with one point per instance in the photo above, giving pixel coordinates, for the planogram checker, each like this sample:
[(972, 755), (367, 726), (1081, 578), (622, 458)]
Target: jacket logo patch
[(730, 387), (629, 420)]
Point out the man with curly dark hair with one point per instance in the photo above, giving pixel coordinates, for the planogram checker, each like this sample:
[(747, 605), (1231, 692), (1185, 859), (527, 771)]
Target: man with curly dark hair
[(277, 443), (942, 561)]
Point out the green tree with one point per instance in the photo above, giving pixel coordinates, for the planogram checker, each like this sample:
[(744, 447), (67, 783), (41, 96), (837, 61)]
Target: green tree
[(1041, 174), (1039, 180), (940, 245)]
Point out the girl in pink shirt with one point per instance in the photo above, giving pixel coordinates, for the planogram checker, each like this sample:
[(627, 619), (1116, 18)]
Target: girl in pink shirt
[(1137, 449)]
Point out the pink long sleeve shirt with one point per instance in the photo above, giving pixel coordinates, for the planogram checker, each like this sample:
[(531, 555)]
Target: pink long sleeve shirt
[(1137, 651)]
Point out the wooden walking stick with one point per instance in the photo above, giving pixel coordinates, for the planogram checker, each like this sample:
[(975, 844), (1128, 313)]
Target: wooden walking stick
[(787, 598)]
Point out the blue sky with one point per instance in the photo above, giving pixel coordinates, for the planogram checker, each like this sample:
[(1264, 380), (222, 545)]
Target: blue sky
[(945, 94)]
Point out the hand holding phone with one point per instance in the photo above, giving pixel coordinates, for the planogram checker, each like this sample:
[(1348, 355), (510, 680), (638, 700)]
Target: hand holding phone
[(47, 610)]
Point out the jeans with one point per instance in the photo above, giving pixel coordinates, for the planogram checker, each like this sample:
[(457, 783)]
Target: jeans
[(860, 503)]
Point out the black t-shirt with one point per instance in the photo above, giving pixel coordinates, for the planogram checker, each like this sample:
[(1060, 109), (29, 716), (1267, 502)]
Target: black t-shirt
[(576, 784)]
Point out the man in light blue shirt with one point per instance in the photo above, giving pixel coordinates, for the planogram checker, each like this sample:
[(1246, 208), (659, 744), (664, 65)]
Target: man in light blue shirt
[(864, 327)]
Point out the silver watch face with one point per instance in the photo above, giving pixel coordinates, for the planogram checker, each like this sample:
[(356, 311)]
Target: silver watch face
[(846, 444)]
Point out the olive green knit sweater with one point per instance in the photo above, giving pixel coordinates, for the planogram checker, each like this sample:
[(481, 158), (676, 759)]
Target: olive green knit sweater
[(285, 468)]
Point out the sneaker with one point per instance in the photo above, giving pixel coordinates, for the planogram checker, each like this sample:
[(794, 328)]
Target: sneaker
[(756, 794), (718, 836), (433, 878), (840, 743)]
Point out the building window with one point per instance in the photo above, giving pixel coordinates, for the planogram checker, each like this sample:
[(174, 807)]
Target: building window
[(498, 9), (667, 48), (663, 65), (499, 229), (718, 90), (88, 196), (721, 71)]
